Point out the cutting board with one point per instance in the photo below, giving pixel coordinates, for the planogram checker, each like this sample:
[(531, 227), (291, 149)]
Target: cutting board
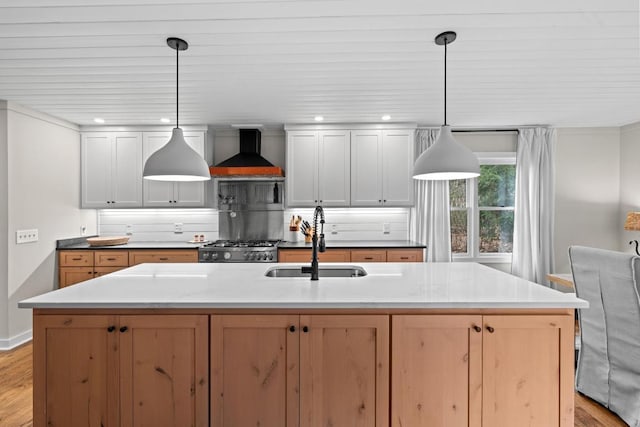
[(107, 240)]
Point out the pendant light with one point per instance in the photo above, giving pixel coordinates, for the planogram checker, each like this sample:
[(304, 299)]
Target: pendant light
[(446, 158), (176, 161)]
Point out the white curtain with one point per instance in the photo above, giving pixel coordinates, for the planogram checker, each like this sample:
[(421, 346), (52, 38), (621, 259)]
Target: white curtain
[(533, 256), (430, 216)]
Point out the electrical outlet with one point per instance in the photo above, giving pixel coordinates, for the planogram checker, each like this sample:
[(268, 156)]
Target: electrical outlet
[(83, 230), (386, 228), (26, 236), (128, 229), (334, 229), (177, 227)]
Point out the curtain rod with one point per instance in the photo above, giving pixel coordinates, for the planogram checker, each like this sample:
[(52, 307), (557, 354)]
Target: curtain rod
[(484, 130)]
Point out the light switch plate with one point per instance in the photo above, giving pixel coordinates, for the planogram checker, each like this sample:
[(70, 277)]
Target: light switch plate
[(177, 227), (26, 236), (386, 228), (128, 229)]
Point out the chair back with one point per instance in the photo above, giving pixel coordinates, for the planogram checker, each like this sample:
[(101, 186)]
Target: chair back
[(609, 359)]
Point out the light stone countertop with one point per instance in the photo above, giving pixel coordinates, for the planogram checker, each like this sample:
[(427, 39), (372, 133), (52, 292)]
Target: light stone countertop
[(387, 285)]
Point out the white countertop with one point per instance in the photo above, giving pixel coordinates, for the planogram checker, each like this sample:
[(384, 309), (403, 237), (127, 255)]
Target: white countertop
[(387, 285)]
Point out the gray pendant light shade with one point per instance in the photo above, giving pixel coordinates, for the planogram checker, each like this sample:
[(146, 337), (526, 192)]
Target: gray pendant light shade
[(446, 158), (176, 161)]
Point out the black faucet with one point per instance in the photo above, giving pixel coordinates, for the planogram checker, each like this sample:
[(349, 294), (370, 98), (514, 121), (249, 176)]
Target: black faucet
[(317, 247)]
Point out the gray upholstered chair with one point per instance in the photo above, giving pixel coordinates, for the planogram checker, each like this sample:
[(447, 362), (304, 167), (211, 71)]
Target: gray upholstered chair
[(609, 359)]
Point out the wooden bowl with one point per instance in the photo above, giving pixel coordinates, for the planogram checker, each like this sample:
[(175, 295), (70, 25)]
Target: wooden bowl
[(107, 240)]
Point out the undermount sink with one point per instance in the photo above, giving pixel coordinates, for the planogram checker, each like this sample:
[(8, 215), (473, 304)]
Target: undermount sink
[(323, 271)]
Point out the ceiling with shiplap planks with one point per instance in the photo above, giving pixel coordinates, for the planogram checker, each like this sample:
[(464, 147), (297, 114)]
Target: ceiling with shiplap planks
[(559, 63)]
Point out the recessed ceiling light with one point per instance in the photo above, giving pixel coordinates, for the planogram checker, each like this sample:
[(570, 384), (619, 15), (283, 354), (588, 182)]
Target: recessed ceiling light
[(386, 117), (165, 120), (98, 120), (318, 118)]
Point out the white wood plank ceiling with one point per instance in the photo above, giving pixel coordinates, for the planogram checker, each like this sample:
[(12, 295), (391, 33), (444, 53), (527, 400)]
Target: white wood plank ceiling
[(554, 62)]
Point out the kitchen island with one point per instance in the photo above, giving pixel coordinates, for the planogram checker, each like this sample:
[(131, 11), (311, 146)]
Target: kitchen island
[(409, 344)]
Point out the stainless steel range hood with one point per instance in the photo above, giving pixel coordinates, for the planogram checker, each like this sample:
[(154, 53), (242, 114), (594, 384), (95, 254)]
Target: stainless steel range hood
[(248, 162)]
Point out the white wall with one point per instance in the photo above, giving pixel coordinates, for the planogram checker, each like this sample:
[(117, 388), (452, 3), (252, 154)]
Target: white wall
[(629, 182), (587, 191), (43, 192), (4, 234)]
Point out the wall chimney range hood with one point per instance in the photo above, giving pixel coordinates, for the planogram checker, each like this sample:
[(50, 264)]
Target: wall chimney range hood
[(248, 162)]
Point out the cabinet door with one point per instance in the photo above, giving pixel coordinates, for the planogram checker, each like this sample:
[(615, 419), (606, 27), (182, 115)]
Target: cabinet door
[(191, 194), (397, 167), (96, 169), (126, 155), (302, 168), (75, 381), (366, 168), (344, 371), (334, 166), (524, 380), (437, 371), (254, 371), (72, 275), (164, 370), (156, 193)]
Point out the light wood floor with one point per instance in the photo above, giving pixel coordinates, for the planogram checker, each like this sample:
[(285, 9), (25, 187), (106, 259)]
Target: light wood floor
[(16, 395)]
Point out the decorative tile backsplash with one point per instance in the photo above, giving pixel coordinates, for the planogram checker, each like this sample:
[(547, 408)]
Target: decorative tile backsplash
[(182, 224)]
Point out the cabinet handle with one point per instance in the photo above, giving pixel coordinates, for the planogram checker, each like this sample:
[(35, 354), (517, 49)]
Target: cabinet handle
[(163, 259), (108, 201), (113, 201), (90, 272), (368, 257), (111, 259), (315, 201), (305, 329), (379, 201), (76, 259), (384, 201), (292, 328), (477, 328), (175, 201), (111, 328), (404, 257), (490, 329), (123, 329)]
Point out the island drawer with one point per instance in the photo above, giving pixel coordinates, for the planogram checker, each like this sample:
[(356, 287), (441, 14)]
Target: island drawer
[(111, 258), (304, 255), (75, 258)]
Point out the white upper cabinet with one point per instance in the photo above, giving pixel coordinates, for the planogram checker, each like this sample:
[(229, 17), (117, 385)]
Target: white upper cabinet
[(172, 194), (381, 167), (318, 168), (111, 170), (397, 167)]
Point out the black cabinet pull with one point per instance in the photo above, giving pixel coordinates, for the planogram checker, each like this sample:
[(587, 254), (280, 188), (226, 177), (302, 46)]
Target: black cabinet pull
[(305, 329), (292, 328), (477, 328), (123, 329), (111, 328), (490, 329)]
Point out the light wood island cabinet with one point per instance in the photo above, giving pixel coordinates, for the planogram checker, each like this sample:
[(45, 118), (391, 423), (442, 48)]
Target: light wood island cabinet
[(307, 370), (473, 370), (109, 370)]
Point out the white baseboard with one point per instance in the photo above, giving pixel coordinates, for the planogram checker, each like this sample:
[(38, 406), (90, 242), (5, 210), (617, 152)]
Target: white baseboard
[(15, 341)]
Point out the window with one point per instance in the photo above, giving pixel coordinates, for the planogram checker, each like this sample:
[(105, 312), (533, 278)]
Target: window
[(482, 210)]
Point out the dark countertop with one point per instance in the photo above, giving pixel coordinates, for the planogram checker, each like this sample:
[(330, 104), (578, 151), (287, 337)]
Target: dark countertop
[(81, 244), (357, 244)]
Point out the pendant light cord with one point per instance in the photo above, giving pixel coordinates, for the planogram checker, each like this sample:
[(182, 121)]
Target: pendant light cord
[(445, 80), (178, 90)]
